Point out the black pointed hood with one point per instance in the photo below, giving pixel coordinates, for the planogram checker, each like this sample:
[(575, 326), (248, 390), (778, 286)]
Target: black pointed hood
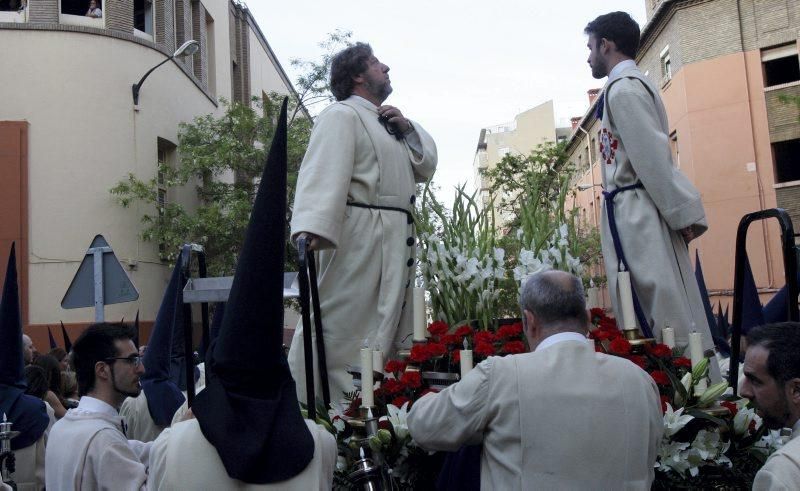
[(136, 328), (26, 412), (67, 342), (53, 344), (249, 409), (164, 397)]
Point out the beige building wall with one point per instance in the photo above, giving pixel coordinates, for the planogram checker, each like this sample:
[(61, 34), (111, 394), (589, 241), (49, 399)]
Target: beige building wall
[(722, 124), (84, 135)]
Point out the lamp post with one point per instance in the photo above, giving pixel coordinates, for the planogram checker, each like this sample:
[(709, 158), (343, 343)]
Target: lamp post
[(187, 49)]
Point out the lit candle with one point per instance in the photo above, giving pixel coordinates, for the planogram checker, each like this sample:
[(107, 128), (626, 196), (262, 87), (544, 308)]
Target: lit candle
[(668, 336), (696, 353), (465, 359), (626, 300), (592, 296), (367, 395), (419, 314)]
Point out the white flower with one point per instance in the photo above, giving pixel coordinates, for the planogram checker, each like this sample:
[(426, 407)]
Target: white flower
[(674, 421), (672, 456), (499, 255), (770, 442), (526, 257), (556, 255), (709, 445), (398, 418), (742, 420)]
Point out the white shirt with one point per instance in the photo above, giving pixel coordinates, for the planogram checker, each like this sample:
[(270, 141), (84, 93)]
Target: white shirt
[(622, 65), (560, 338), (90, 404)]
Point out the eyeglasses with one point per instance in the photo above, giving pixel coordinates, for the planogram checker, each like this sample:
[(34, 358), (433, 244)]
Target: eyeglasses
[(134, 360), (391, 128)]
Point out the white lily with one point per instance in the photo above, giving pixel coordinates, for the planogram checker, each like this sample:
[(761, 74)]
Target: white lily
[(674, 421), (398, 418)]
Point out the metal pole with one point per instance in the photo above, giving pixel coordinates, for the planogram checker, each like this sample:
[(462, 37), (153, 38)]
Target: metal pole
[(99, 311)]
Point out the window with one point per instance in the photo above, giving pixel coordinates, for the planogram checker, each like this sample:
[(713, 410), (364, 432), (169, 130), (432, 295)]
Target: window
[(666, 65), (211, 59), (79, 7), (786, 155), (781, 65), (143, 16), (12, 5), (166, 155)]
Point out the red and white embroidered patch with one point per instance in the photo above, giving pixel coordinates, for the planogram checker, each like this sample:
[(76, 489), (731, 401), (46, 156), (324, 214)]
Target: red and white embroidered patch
[(608, 146)]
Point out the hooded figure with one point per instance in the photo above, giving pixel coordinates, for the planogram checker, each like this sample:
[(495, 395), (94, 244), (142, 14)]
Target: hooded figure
[(26, 412), (160, 388), (67, 342), (53, 344), (136, 328), (249, 410)]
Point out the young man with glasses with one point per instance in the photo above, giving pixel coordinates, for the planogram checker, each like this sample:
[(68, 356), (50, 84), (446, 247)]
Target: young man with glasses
[(355, 195), (87, 448)]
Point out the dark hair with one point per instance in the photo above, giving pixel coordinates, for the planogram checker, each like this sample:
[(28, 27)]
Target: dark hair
[(556, 298), (52, 369), (36, 379), (782, 341), (347, 64), (618, 27), (96, 344), (58, 354)]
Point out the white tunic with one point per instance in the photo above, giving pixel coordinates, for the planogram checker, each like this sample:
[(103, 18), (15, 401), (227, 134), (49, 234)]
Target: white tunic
[(87, 449), (562, 417), (136, 414), (29, 472), (368, 262), (634, 147), (781, 471), (182, 458)]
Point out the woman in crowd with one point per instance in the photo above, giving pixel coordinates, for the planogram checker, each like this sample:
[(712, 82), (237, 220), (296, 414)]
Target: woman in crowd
[(52, 369), (61, 356)]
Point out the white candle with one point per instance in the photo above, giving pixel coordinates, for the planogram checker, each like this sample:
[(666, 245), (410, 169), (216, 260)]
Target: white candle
[(668, 336), (626, 300), (592, 295), (419, 314), (696, 353), (367, 394), (465, 358), (377, 360)]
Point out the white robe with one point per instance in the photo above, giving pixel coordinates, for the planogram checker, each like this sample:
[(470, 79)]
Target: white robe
[(634, 147), (781, 471), (29, 472), (562, 417), (88, 450), (367, 264), (182, 458), (136, 414)]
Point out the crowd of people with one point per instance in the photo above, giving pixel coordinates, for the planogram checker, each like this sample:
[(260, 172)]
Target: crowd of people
[(111, 415)]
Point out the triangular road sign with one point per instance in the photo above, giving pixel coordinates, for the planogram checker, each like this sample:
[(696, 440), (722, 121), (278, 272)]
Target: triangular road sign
[(116, 286)]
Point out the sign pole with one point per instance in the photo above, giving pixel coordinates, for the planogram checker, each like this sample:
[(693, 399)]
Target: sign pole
[(99, 306)]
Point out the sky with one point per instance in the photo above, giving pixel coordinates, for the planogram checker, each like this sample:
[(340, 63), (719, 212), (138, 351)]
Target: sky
[(456, 66)]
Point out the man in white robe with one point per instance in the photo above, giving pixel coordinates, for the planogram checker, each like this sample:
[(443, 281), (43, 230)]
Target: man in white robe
[(560, 417), (772, 383), (87, 448), (355, 192)]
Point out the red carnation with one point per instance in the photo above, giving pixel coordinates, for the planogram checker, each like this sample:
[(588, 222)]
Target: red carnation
[(639, 360), (436, 349), (510, 330), (419, 353), (412, 380), (484, 337), (451, 339), (513, 347), (599, 334), (456, 355), (607, 324), (596, 313), (393, 386), (732, 407), (664, 401), (400, 400), (438, 328), (682, 362), (660, 377), (484, 349), (464, 331), (394, 366), (660, 350), (620, 346)]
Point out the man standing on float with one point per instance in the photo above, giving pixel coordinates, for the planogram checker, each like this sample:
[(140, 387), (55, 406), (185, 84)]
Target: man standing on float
[(651, 209), (355, 195)]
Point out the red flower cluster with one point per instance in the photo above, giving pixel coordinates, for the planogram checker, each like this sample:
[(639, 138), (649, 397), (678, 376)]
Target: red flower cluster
[(660, 377), (412, 380), (484, 337), (438, 328), (394, 366), (682, 362), (483, 348), (436, 349), (393, 386), (464, 331), (513, 347), (452, 339), (639, 360), (659, 350), (510, 330), (732, 407), (620, 346), (664, 401), (419, 353), (400, 400)]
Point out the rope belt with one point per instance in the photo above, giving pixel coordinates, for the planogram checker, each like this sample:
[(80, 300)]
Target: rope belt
[(612, 226), (408, 214)]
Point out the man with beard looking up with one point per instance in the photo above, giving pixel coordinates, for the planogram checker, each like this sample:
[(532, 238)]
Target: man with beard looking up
[(772, 383), (87, 448), (355, 195)]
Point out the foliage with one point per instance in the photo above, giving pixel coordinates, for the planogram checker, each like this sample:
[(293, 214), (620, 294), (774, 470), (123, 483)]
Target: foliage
[(314, 82)]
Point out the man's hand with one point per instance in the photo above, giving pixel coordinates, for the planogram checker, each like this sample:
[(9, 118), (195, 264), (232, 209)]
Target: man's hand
[(688, 234), (396, 118), (312, 240)]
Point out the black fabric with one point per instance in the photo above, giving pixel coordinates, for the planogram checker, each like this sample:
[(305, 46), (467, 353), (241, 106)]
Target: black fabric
[(249, 409), (53, 344), (67, 342), (26, 412), (461, 469)]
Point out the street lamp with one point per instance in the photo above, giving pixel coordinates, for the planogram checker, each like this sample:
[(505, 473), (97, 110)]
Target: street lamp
[(187, 49)]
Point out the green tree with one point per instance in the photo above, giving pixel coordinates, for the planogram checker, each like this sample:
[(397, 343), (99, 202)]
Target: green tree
[(223, 157)]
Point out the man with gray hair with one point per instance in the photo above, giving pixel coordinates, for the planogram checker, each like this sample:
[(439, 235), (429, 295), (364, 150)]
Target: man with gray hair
[(559, 417)]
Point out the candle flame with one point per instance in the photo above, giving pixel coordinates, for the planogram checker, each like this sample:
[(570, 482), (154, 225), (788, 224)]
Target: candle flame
[(466, 346), (369, 413), (361, 451), (5, 420)]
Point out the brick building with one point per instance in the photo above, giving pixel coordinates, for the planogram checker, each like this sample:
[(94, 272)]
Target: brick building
[(69, 130), (722, 66)]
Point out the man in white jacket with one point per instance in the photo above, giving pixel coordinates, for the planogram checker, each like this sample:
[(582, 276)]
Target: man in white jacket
[(87, 448)]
